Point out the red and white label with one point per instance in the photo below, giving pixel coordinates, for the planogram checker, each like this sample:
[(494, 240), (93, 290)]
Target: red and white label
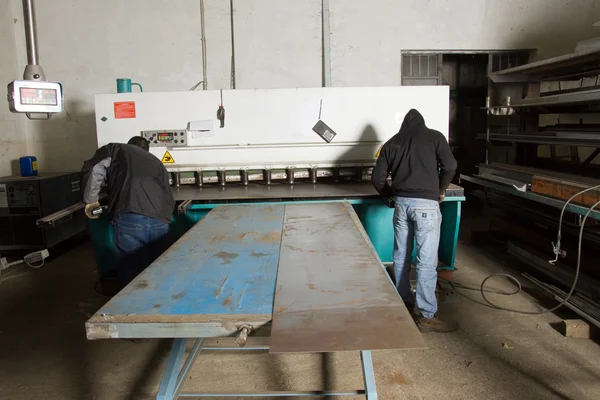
[(124, 109)]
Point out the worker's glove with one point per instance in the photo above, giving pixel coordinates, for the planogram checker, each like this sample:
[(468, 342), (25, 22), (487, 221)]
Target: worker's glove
[(91, 207), (442, 197)]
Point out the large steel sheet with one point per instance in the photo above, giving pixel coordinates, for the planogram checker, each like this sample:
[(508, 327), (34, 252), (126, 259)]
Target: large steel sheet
[(332, 293), (223, 271)]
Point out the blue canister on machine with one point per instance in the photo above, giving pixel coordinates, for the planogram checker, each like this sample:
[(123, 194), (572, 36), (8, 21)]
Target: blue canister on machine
[(29, 166)]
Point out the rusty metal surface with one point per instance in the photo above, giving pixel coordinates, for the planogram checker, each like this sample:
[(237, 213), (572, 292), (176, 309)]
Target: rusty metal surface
[(565, 189), (332, 292), (220, 274)]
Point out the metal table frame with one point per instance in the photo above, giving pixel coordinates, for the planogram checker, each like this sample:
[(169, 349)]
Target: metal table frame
[(177, 370)]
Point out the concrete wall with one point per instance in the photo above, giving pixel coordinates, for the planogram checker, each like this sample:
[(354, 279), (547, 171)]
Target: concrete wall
[(13, 137), (87, 44)]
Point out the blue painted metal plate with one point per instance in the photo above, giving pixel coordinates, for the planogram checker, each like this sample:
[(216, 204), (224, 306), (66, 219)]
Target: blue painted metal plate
[(226, 265)]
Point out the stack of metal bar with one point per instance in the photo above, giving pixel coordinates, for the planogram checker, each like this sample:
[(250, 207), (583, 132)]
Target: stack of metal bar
[(531, 200), (544, 128)]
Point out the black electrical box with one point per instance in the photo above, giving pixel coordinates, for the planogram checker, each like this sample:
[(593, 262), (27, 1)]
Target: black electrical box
[(24, 200)]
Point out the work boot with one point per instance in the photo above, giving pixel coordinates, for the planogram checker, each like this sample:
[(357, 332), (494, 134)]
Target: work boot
[(107, 287), (410, 307), (436, 324)]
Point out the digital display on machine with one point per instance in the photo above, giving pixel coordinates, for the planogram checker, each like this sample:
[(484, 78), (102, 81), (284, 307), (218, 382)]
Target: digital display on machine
[(38, 96), (164, 137)]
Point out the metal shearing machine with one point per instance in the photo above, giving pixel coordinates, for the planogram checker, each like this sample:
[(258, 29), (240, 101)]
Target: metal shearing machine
[(279, 228)]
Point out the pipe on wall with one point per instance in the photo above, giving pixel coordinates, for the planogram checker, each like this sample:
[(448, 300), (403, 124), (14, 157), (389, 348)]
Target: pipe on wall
[(232, 46), (326, 30), (30, 32), (203, 27)]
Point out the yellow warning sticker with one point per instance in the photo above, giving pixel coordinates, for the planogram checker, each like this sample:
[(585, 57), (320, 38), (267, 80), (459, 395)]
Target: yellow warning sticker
[(167, 158), (378, 151)]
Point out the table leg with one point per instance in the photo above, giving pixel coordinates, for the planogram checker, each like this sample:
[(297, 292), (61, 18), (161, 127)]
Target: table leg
[(174, 375), (369, 375)]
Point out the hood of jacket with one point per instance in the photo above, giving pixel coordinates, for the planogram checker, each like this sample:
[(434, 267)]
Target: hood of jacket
[(412, 121)]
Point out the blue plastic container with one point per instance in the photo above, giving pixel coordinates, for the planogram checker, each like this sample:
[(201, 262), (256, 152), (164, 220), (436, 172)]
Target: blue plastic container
[(29, 166)]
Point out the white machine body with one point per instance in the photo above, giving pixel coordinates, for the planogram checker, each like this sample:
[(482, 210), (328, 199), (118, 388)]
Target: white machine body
[(267, 128)]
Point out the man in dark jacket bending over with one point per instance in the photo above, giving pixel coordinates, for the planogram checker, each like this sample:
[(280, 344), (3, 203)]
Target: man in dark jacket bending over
[(140, 202), (413, 157)]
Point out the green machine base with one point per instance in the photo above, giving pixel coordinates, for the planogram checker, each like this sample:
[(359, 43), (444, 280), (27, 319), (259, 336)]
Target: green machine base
[(375, 216)]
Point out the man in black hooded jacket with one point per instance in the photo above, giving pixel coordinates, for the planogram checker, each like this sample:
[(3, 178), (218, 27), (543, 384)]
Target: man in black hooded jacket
[(422, 166)]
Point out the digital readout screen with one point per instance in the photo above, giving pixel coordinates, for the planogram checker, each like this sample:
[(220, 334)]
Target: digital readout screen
[(164, 137), (45, 97)]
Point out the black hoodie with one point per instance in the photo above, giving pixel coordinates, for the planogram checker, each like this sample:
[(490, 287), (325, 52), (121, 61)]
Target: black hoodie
[(413, 157), (135, 182)]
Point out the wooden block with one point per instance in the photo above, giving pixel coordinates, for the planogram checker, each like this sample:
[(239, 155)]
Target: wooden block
[(576, 328)]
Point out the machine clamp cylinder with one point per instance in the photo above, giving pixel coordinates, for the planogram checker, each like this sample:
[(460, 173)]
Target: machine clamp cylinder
[(244, 177), (199, 175), (176, 179), (267, 176), (289, 173), (312, 174), (221, 177), (358, 174), (336, 174)]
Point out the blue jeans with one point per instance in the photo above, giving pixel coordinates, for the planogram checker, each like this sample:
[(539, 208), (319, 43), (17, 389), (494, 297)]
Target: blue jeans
[(417, 220), (138, 240)]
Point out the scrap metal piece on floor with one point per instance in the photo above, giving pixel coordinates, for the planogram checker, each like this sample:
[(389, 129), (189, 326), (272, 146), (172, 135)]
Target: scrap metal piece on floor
[(333, 293), (586, 308)]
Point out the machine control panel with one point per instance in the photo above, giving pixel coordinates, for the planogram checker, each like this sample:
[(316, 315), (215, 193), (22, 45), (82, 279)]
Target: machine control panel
[(35, 97), (22, 195), (168, 138)]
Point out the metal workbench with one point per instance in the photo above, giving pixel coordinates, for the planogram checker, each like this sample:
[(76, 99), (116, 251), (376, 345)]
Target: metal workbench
[(221, 276)]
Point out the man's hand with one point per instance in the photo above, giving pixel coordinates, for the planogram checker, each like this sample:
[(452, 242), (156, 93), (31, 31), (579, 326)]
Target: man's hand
[(442, 197), (91, 207)]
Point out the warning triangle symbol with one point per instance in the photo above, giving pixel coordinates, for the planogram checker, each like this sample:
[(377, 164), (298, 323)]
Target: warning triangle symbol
[(167, 158), (378, 152)]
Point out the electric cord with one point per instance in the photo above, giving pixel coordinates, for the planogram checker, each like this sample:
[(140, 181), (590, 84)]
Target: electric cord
[(557, 251), (195, 86), (556, 247), (3, 275), (32, 265)]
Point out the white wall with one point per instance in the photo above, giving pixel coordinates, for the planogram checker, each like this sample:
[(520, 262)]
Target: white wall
[(369, 35), (88, 44), (13, 139)]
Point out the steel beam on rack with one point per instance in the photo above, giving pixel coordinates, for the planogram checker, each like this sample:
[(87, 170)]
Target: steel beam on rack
[(566, 99), (565, 138), (531, 196), (578, 64)]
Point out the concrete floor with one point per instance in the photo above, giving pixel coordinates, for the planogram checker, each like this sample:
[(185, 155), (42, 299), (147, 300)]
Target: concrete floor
[(496, 355)]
